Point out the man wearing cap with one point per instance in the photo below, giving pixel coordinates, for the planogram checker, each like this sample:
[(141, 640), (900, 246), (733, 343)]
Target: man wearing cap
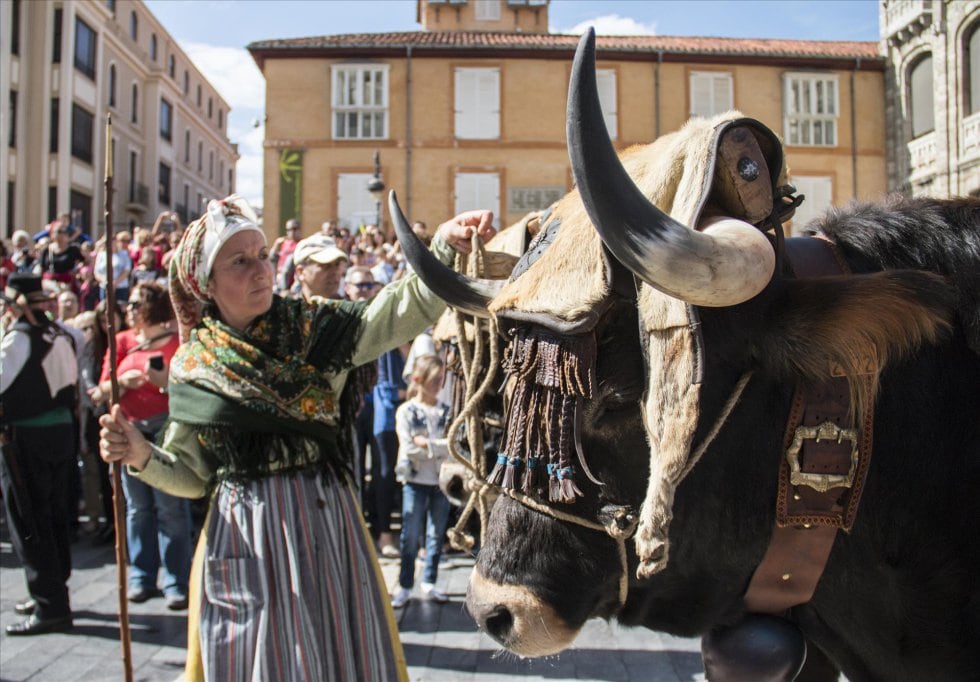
[(38, 376), (320, 266)]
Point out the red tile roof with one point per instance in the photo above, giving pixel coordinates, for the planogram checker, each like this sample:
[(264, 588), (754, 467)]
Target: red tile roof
[(546, 45)]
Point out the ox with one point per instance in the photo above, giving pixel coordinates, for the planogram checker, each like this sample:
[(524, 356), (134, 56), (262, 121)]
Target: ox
[(680, 421)]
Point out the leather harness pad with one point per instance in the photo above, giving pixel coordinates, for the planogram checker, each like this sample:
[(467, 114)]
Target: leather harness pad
[(822, 473)]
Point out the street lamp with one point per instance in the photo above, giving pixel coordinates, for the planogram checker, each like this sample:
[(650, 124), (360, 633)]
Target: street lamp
[(376, 187)]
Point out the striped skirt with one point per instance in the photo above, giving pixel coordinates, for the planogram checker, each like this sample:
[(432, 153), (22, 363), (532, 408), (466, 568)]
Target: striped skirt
[(291, 586)]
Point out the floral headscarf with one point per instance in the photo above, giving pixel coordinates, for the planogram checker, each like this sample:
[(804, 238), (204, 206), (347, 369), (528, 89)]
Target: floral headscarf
[(190, 266)]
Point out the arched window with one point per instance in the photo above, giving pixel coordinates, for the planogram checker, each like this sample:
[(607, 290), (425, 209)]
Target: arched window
[(921, 109), (221, 118), (134, 26), (153, 47), (210, 107), (134, 117), (172, 66), (112, 86), (187, 146), (198, 96), (973, 70), (187, 82)]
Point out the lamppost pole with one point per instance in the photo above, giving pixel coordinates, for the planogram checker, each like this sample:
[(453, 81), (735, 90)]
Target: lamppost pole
[(376, 187)]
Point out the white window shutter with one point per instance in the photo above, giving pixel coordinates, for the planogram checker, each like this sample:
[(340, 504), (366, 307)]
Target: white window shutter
[(478, 190), (355, 205), (606, 84), (711, 93), (488, 97), (477, 104), (818, 191)]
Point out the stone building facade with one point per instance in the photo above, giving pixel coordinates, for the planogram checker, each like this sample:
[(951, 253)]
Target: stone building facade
[(932, 89)]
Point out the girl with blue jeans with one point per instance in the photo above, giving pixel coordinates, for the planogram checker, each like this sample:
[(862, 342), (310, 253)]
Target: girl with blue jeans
[(420, 423)]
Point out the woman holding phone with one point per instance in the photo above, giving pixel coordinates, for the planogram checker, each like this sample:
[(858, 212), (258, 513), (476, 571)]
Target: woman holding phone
[(158, 525)]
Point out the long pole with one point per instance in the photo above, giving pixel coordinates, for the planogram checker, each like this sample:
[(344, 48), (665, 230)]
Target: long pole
[(118, 501)]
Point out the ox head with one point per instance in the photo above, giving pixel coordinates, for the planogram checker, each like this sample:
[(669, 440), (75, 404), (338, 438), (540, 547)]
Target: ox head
[(626, 335)]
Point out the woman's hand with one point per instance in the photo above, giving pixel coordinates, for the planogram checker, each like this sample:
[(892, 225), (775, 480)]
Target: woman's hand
[(420, 441), (121, 442), (157, 377), (458, 231), (132, 378)]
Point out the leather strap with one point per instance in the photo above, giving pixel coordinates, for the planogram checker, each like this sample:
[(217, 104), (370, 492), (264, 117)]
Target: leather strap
[(822, 472)]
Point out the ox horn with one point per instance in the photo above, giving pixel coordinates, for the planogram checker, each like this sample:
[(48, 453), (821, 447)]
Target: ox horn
[(727, 264), (468, 295)]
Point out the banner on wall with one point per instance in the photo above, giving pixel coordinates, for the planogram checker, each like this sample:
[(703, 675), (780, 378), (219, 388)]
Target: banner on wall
[(290, 186)]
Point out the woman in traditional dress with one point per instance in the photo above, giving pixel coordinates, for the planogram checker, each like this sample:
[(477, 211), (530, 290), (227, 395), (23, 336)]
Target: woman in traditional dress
[(260, 420)]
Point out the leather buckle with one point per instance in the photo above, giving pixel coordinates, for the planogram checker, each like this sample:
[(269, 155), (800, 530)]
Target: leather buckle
[(821, 482)]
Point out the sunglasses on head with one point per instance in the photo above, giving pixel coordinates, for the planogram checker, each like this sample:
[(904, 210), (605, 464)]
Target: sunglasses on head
[(134, 304)]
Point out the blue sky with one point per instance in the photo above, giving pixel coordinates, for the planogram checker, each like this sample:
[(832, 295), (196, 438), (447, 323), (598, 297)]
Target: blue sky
[(215, 32)]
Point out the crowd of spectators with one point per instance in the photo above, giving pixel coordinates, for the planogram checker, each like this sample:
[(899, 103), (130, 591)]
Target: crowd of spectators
[(330, 262)]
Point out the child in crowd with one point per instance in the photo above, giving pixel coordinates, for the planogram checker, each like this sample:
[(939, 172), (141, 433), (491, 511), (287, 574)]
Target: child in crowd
[(420, 423)]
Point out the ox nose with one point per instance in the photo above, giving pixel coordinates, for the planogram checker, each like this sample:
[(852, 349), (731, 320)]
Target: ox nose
[(494, 619)]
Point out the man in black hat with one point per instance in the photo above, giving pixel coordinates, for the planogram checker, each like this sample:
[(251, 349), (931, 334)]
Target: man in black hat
[(38, 377)]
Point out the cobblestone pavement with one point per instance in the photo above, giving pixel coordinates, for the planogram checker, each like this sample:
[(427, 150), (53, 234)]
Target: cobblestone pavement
[(441, 641)]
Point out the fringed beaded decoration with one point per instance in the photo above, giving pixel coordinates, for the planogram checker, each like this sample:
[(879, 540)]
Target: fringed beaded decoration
[(552, 375)]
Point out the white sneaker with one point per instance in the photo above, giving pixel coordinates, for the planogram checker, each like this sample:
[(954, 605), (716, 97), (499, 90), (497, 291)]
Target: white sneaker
[(401, 598), (434, 593)]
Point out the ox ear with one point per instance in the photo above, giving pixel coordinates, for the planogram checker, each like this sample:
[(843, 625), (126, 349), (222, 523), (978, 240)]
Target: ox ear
[(853, 324)]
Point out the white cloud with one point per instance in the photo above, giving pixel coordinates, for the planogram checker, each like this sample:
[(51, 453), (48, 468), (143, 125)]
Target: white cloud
[(611, 25), (233, 72)]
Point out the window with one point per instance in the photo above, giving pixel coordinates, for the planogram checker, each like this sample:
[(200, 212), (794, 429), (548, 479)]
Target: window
[(134, 26), (360, 101), (606, 84), (200, 156), (810, 115), (221, 173), (187, 146), (132, 176), (12, 130), (487, 10), (166, 120), (56, 36), (80, 207), (478, 190), (55, 125), (85, 48), (973, 67), (15, 28), (11, 195), (711, 93), (198, 96), (211, 165), (221, 118), (231, 184), (921, 109), (210, 107), (187, 82), (112, 86), (172, 66), (82, 126), (477, 104), (52, 202), (355, 206), (153, 47), (111, 4), (134, 105), (164, 190), (818, 192)]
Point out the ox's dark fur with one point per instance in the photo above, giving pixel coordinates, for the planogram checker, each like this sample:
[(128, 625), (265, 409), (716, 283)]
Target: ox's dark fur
[(900, 597)]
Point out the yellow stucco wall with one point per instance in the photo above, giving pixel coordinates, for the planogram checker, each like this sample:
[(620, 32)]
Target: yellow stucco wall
[(531, 149)]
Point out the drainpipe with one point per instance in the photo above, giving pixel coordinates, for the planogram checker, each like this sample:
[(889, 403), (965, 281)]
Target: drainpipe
[(656, 94), (854, 161), (408, 129)]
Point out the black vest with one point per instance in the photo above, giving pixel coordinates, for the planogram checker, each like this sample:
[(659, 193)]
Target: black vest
[(30, 393)]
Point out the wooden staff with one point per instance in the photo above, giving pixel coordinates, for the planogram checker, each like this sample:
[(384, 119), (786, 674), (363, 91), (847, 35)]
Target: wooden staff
[(118, 500)]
